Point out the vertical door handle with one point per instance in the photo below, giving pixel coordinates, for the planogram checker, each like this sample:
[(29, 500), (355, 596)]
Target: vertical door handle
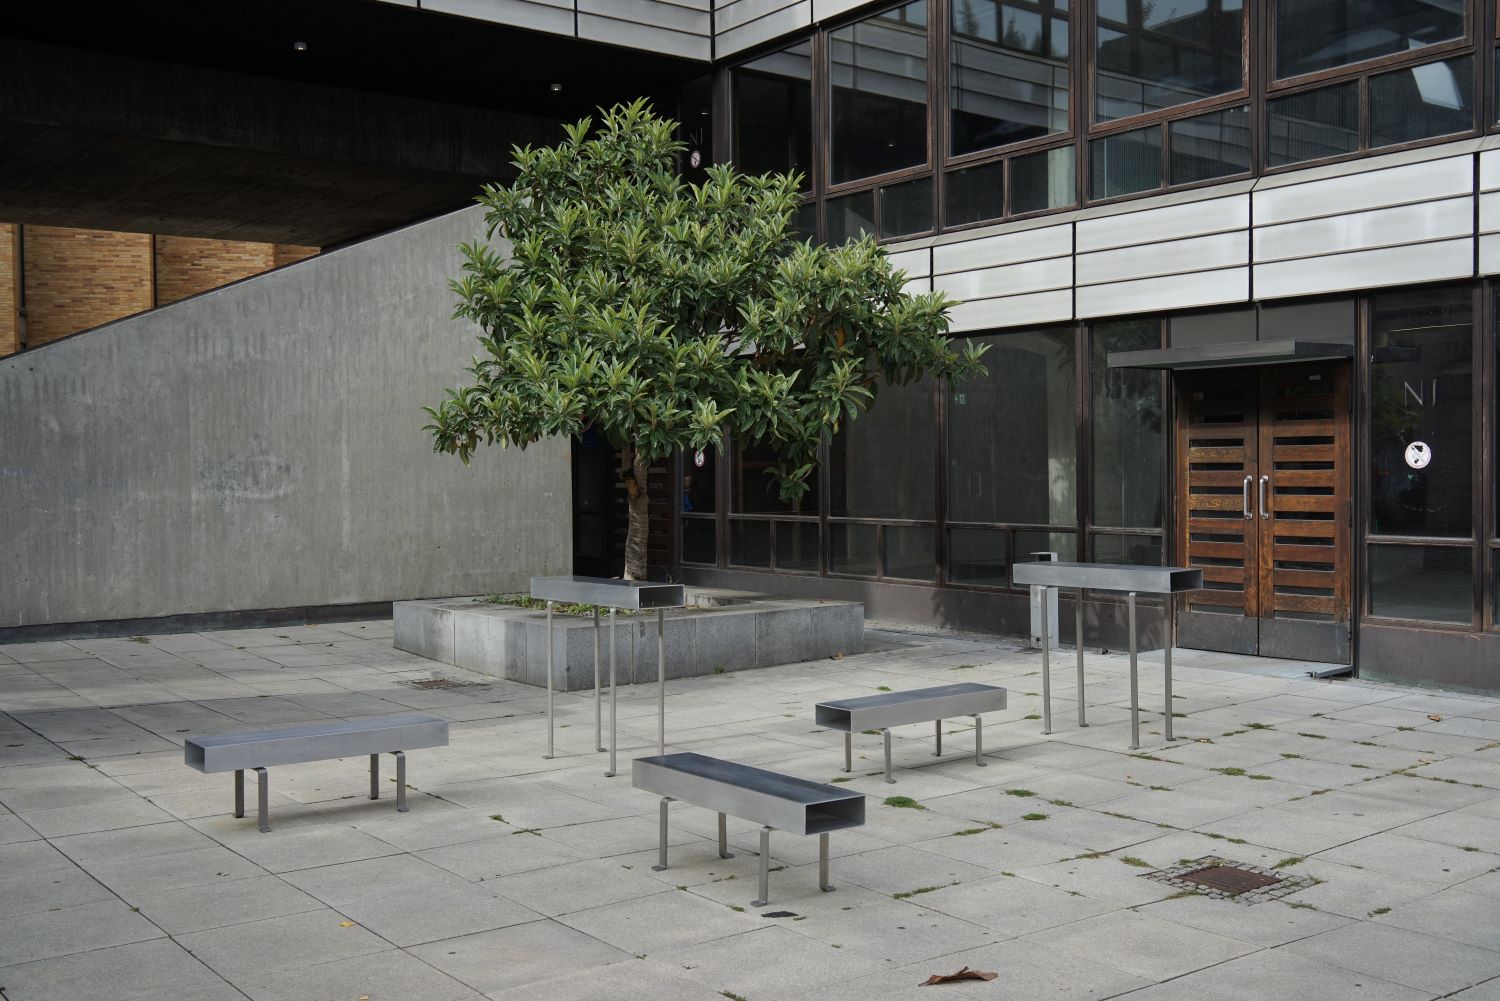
[(1248, 513), (1265, 512)]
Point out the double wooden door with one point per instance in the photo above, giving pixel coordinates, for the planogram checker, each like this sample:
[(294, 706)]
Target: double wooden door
[(1263, 494)]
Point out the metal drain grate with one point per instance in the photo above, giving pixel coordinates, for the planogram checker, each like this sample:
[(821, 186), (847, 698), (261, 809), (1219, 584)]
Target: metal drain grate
[(1225, 879), (428, 684), (1230, 879)]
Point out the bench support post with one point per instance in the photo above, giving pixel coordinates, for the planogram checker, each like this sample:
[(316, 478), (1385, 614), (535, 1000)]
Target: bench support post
[(661, 682), (1040, 601), (661, 842), (1078, 640), (598, 709), (823, 883), (613, 689), (548, 755), (1135, 695), (724, 851), (263, 799), (979, 741), (888, 777), (239, 792), (400, 781), (765, 869), (375, 776), (849, 751), (1169, 633), (938, 735)]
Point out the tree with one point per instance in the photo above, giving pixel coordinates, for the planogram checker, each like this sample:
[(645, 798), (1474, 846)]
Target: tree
[(664, 314)]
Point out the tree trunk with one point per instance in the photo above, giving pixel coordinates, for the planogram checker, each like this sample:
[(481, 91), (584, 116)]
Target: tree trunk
[(634, 470)]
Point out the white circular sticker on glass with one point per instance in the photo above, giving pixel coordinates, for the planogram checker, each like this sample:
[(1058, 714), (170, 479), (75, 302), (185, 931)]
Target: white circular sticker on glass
[(1418, 455), (698, 458)]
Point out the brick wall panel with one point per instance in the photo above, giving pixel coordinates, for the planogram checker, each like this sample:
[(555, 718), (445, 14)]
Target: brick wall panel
[(80, 278), (10, 320), (188, 265)]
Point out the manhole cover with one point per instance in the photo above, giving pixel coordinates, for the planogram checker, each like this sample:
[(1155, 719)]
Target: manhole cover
[(428, 684), (1225, 879)]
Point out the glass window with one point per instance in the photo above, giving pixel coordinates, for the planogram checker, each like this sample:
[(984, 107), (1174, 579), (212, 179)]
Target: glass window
[(805, 221), (975, 194), (1421, 414), (1008, 72), (753, 490), (1125, 163), (879, 68), (750, 544), (863, 482), (1422, 582), (1127, 421), (851, 217), (910, 552), (1064, 544), (797, 546), (1209, 146), (1433, 99), (1012, 440), (979, 556), (906, 208), (698, 541), (773, 113), (698, 481), (1313, 35), (1042, 181), (1159, 55), (1129, 550), (1312, 125), (851, 549)]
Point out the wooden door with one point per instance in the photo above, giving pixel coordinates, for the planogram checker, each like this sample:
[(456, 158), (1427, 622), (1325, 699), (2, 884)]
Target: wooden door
[(1263, 481)]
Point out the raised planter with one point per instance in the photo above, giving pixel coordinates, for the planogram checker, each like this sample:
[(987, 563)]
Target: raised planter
[(719, 631)]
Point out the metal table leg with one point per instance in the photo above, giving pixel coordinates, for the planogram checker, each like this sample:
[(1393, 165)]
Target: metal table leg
[(374, 776), (765, 869), (598, 711), (979, 741), (938, 735), (888, 777), (549, 681), (400, 781), (1135, 708), (263, 800), (661, 843), (823, 883), (613, 689), (1169, 636), (1041, 593), (724, 851), (661, 683), (849, 751), (239, 792), (1078, 640)]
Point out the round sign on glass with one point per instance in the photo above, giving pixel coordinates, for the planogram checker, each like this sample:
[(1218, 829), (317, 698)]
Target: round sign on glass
[(698, 458), (1418, 455)]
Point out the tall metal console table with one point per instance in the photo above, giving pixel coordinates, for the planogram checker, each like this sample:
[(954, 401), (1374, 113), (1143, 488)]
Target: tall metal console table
[(626, 595), (1129, 580)]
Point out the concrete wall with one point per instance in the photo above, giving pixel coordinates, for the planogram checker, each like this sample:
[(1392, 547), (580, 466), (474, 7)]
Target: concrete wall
[(260, 446)]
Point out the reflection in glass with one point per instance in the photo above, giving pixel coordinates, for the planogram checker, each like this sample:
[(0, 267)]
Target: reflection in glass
[(1434, 99), (975, 195), (1314, 35), (1209, 146), (1130, 550), (773, 113), (863, 481), (753, 490), (1064, 544), (978, 556), (851, 549), (851, 217), (805, 221), (698, 541), (879, 69), (1012, 441), (1421, 414), (910, 552), (1042, 181), (1422, 582), (1008, 72), (1128, 410), (1312, 125), (750, 543), (698, 481), (1159, 55), (906, 208), (797, 546), (1125, 163)]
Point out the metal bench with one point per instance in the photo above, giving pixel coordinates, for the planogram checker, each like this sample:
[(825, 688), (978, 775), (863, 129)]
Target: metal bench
[(775, 801), (260, 749), (881, 712)]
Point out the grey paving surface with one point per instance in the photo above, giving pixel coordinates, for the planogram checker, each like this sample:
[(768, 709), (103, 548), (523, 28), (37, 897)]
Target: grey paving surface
[(123, 875)]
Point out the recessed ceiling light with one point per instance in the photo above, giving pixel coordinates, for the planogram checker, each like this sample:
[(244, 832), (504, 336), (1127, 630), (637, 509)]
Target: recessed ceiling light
[(299, 46), (556, 88)]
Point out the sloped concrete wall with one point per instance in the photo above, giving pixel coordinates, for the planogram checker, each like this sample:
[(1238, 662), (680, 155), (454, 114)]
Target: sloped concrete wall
[(261, 446)]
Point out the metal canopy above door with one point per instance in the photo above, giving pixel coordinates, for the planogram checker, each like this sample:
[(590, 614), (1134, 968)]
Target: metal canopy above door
[(1233, 354)]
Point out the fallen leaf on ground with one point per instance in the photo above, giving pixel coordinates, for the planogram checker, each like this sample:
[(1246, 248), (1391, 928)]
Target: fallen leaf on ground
[(1435, 717), (963, 974), (346, 924)]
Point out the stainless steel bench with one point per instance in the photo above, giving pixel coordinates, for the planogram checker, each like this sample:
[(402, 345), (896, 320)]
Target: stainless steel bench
[(775, 801), (260, 749), (881, 712)]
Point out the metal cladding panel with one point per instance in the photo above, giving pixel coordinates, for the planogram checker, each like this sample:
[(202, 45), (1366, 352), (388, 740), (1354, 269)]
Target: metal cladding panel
[(675, 15), (1011, 279), (1489, 254), (314, 742), (1109, 577), (608, 592), (1489, 170), (763, 797), (1012, 311), (1489, 212), (917, 706), (784, 21), (1232, 354), (552, 16), (1427, 181), (1171, 222), (915, 286), (644, 36), (1388, 227), (916, 263), (825, 9), (1006, 248), (1206, 288), (730, 14), (1203, 253), (1366, 269)]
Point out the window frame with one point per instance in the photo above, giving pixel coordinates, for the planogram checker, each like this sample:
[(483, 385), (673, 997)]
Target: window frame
[(1165, 125), (1274, 84)]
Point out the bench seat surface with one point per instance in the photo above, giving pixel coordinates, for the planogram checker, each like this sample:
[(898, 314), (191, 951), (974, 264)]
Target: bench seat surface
[(314, 741), (917, 705), (771, 798)]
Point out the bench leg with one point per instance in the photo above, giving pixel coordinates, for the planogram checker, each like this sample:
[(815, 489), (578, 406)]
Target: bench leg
[(823, 883), (938, 735), (724, 851), (400, 781), (598, 708), (888, 776), (263, 800), (979, 741), (374, 776), (661, 838), (239, 792), (849, 752), (765, 869)]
